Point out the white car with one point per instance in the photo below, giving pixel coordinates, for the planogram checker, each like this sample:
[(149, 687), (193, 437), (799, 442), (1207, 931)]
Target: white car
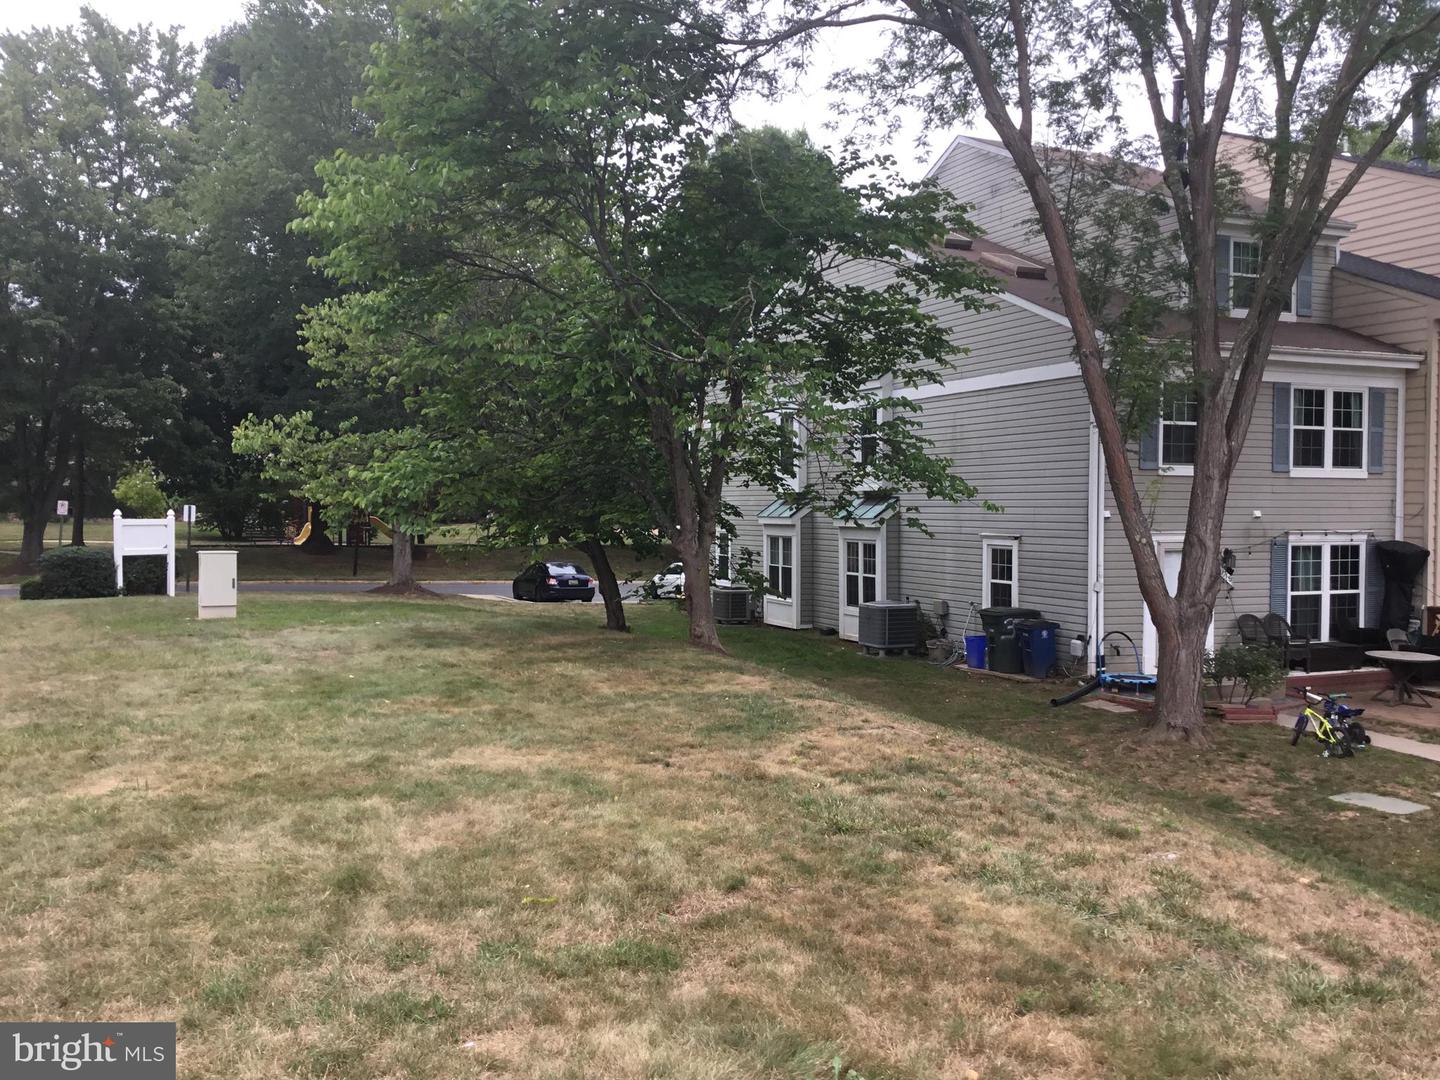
[(671, 581)]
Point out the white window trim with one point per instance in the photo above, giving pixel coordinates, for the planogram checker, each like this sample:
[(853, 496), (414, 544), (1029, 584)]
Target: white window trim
[(985, 580), (1239, 312), (1326, 541), (1328, 470), (1172, 470), (863, 534), (727, 542), (781, 611)]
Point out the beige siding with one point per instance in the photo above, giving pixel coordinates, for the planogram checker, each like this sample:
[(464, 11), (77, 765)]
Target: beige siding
[(1409, 321), (1287, 504), (1396, 214)]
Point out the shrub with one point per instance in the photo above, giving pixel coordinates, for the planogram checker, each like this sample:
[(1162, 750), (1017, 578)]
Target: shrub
[(145, 575), (73, 572), (1251, 669), (139, 495), (30, 589)]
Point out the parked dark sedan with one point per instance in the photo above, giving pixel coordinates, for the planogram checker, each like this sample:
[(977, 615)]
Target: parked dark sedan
[(553, 581)]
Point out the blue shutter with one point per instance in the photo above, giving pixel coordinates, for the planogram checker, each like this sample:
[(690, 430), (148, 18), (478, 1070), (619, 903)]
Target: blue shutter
[(1374, 586), (1375, 422), (1305, 286), (1280, 576), (1280, 433), (1222, 273), (1150, 446)]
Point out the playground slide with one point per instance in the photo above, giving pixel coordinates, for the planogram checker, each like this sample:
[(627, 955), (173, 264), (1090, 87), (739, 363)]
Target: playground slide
[(303, 534), (381, 527)]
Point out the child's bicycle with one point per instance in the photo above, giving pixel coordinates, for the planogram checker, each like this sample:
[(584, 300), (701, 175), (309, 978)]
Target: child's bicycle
[(1336, 726)]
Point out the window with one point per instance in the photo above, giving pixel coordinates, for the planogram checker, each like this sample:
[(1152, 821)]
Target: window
[(720, 558), (1328, 430), (862, 572), (779, 565), (1179, 421), (868, 441), (1325, 588), (1245, 260), (1000, 558), (789, 446)]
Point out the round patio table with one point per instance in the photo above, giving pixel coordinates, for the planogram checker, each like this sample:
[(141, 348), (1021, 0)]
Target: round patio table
[(1404, 667)]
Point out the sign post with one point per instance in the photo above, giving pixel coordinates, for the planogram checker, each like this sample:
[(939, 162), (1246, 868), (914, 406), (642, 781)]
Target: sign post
[(62, 511), (189, 513)]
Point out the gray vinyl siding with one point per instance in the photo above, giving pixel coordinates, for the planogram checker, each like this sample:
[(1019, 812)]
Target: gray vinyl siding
[(1004, 338), (824, 552), (1003, 210), (1322, 287), (1026, 448), (1287, 503)]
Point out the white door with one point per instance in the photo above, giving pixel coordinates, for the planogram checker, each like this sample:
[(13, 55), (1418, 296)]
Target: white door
[(782, 577), (1150, 648), (862, 576)]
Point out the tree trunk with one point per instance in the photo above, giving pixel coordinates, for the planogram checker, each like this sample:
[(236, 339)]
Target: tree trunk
[(77, 499), (694, 532), (609, 587), (402, 560), (32, 540), (1180, 691), (695, 557)]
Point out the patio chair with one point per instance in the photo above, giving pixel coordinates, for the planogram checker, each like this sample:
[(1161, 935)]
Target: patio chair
[(1398, 640), (1292, 646), (1252, 631)]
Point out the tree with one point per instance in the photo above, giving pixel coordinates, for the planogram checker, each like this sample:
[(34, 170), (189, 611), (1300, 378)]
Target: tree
[(575, 155), (91, 150), (276, 94), (393, 474), (1297, 70)]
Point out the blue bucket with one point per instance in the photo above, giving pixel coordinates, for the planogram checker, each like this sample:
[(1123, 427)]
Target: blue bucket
[(975, 650)]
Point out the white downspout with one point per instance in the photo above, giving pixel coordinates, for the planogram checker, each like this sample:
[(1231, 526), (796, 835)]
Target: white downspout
[(1095, 585)]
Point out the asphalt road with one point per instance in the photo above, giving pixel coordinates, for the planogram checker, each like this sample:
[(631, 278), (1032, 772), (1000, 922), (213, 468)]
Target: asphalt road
[(450, 588)]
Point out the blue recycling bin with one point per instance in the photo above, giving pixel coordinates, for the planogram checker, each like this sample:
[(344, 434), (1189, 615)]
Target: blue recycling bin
[(975, 650), (1037, 646)]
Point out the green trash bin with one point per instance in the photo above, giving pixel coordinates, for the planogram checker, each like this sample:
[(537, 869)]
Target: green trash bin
[(1003, 651)]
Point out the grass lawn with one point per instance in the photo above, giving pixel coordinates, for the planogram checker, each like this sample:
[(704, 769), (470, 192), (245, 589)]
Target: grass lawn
[(363, 837), (456, 557)]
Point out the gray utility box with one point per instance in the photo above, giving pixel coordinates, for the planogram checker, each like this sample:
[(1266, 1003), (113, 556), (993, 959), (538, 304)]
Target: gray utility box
[(731, 603), (217, 584), (889, 625)]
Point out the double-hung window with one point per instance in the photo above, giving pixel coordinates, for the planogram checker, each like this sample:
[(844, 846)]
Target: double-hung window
[(1179, 423), (1246, 258), (720, 558), (867, 442), (1327, 431), (779, 565), (1325, 587), (1001, 564)]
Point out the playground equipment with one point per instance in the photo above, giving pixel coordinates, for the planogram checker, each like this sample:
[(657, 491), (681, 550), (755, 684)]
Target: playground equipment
[(1134, 682), (382, 528)]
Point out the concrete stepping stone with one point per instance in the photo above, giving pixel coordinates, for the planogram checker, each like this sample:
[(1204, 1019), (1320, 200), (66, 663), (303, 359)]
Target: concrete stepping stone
[(1383, 803)]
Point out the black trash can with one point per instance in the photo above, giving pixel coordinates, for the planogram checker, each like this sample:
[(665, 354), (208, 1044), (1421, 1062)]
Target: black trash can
[(1003, 638), (1038, 639)]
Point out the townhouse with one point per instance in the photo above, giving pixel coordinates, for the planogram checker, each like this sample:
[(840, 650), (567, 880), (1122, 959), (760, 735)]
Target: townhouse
[(1322, 477)]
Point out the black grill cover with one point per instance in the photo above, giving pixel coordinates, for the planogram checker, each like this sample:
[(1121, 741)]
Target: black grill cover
[(1401, 563)]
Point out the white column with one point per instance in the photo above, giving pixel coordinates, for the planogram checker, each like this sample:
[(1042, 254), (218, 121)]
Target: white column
[(170, 554), (118, 525)]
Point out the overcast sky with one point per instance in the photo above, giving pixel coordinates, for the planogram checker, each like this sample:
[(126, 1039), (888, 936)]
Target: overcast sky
[(806, 106)]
